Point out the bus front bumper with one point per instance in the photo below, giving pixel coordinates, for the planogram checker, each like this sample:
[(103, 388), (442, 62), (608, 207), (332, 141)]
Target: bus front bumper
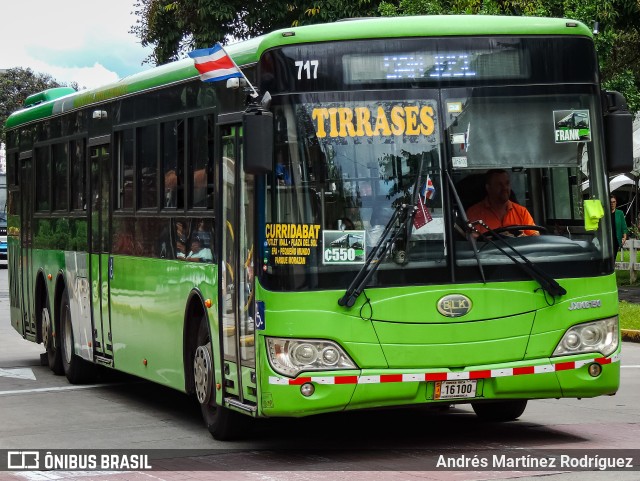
[(347, 390)]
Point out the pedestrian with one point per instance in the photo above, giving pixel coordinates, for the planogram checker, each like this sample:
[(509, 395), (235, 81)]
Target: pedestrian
[(619, 229)]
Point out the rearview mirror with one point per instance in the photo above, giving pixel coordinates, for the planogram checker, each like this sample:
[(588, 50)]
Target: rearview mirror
[(618, 131), (258, 141)]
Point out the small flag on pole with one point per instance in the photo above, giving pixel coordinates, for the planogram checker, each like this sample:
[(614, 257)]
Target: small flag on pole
[(422, 216), (428, 191), (216, 64)]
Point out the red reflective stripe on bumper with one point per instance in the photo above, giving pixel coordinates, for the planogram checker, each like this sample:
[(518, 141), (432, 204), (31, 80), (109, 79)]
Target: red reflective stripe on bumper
[(523, 370), (445, 376), (564, 366), (298, 381), (480, 374)]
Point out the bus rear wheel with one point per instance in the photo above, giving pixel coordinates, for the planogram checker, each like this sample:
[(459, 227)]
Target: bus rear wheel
[(77, 370), (222, 423), (500, 411), (54, 356)]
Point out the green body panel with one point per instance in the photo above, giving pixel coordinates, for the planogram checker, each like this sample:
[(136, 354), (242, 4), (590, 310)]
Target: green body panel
[(148, 301), (465, 344), (249, 52)]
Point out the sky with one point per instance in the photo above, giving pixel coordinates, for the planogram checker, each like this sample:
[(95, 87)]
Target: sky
[(83, 41)]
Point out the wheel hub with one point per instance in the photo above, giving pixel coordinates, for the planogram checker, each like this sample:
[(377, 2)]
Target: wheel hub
[(203, 374)]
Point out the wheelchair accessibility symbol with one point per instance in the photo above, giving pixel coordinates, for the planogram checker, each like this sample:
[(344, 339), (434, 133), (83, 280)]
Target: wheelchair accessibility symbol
[(260, 324)]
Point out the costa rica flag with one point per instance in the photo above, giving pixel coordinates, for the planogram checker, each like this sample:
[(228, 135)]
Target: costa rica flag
[(422, 216), (215, 64), (428, 190)]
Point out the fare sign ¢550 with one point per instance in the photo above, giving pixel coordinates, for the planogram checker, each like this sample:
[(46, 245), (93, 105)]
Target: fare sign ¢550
[(343, 247)]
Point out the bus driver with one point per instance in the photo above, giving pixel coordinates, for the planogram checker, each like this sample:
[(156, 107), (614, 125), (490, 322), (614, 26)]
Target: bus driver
[(496, 210)]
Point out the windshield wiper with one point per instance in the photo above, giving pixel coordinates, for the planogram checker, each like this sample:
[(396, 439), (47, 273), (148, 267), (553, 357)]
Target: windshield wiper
[(402, 215), (547, 283), (468, 227)]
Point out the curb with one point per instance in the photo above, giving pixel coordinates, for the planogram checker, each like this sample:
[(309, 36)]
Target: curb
[(630, 335)]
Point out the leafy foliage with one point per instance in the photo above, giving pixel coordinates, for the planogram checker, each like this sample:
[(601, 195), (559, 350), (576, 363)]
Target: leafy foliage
[(174, 27), (16, 85)]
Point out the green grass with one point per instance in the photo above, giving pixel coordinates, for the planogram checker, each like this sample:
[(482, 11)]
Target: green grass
[(629, 312), (626, 254), (623, 279), (629, 315)]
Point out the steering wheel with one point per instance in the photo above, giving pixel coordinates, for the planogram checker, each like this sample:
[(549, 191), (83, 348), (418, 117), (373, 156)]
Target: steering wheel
[(516, 228)]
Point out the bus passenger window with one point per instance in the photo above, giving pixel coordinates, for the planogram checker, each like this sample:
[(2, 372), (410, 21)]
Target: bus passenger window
[(200, 155), (172, 163)]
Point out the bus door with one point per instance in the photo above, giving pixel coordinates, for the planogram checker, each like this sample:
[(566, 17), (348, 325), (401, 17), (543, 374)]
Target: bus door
[(26, 245), (100, 261), (237, 301)]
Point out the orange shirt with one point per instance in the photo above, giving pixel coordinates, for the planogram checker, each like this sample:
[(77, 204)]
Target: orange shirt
[(516, 215)]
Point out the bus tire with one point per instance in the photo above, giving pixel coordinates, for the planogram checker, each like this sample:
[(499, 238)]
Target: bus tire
[(54, 354), (500, 411), (77, 370), (223, 423)]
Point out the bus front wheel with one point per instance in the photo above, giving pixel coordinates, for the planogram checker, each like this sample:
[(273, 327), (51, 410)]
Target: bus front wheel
[(500, 411), (222, 423)]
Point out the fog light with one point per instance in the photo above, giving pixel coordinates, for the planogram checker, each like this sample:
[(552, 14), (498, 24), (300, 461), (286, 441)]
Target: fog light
[(595, 369), (307, 389)]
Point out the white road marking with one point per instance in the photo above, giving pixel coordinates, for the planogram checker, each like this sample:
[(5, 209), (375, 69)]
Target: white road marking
[(53, 389), (18, 373)]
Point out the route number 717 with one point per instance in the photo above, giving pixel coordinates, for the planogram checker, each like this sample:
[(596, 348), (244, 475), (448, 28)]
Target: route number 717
[(310, 67)]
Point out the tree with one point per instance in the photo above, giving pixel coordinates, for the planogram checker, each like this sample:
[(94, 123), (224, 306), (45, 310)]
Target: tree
[(617, 41), (16, 85), (174, 27)]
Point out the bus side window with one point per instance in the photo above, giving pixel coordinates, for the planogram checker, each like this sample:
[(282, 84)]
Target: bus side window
[(172, 163)]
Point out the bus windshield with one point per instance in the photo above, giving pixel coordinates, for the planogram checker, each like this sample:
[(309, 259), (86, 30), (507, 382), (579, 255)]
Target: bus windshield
[(345, 162)]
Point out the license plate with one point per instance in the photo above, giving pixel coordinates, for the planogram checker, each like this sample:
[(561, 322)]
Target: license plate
[(455, 389)]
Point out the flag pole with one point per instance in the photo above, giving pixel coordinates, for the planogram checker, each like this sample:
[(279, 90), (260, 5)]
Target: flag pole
[(255, 92)]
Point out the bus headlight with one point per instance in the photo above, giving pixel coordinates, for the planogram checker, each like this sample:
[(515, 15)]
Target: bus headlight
[(290, 357), (599, 336)]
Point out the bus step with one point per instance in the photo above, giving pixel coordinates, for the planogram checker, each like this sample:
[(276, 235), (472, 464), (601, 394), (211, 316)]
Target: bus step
[(235, 403), (103, 361)]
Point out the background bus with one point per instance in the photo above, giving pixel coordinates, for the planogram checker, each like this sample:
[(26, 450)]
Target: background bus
[(3, 219), (381, 124)]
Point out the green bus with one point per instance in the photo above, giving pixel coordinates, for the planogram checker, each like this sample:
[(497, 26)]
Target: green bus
[(185, 232)]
